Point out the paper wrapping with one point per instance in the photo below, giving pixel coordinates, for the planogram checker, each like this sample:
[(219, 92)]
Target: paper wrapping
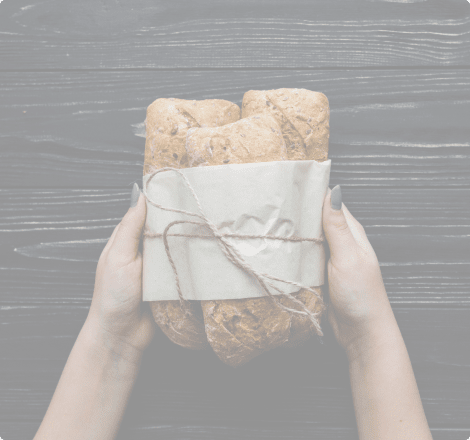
[(281, 198)]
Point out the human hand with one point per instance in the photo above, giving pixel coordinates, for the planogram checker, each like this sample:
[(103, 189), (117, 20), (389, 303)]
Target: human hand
[(359, 307), (116, 309)]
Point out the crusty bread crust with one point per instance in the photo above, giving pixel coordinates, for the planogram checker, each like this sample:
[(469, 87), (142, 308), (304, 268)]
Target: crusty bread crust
[(304, 118), (239, 330), (169, 119), (257, 138), (167, 123), (302, 115)]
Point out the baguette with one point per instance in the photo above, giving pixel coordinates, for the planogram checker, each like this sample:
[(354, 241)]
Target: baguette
[(304, 117), (240, 329), (167, 123)]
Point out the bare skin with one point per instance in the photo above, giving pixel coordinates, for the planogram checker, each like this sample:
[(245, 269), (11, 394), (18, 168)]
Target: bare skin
[(92, 393), (385, 394)]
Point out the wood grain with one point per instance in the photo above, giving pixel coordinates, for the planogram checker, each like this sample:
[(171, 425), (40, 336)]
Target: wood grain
[(52, 238), (211, 34), (388, 128), (312, 381), (20, 431), (75, 81)]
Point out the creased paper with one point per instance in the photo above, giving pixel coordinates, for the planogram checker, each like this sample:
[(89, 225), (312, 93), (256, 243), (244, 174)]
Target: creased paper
[(282, 198)]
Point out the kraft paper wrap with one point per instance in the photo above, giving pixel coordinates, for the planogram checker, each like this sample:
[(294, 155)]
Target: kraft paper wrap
[(281, 198)]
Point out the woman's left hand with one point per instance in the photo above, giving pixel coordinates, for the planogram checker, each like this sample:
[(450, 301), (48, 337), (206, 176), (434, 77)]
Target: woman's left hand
[(116, 309)]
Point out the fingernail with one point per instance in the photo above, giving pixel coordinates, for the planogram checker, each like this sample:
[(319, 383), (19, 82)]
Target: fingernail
[(336, 198), (135, 195)]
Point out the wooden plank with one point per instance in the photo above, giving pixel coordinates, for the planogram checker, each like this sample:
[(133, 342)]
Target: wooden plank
[(308, 385), (211, 34), (388, 127), (239, 433), (20, 431), (51, 241)]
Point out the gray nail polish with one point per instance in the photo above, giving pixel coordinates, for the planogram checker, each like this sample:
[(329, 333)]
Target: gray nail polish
[(336, 198), (135, 195)]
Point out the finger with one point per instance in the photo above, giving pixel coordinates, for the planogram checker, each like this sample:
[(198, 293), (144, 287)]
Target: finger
[(357, 230), (111, 239), (125, 246), (336, 228)]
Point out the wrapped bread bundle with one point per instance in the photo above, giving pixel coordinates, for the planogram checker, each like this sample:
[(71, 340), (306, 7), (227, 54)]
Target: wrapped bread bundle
[(276, 125)]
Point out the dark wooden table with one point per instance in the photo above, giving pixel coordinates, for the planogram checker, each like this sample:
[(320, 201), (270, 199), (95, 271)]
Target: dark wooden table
[(76, 78)]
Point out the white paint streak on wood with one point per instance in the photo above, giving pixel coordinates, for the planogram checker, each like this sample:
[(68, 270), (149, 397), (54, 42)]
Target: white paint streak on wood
[(115, 220), (426, 263), (31, 269), (83, 112), (44, 202), (84, 228), (209, 25), (74, 250), (398, 1), (22, 10), (406, 156), (410, 277), (420, 226), (376, 164), (139, 129), (400, 106), (407, 144), (62, 104)]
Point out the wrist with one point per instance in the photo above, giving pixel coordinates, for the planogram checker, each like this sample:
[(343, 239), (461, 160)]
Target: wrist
[(105, 345), (381, 335)]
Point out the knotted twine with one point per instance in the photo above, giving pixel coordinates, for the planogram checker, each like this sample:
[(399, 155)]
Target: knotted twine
[(232, 254)]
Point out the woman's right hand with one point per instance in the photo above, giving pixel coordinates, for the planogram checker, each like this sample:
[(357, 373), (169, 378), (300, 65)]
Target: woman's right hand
[(359, 311)]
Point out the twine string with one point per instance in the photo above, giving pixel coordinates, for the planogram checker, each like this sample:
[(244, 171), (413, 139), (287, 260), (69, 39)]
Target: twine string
[(232, 254)]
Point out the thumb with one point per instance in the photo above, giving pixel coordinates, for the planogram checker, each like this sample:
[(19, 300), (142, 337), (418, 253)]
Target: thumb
[(126, 243), (336, 228)]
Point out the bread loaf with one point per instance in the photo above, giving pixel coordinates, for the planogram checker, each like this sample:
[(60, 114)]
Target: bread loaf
[(240, 329), (304, 118), (257, 137), (167, 123)]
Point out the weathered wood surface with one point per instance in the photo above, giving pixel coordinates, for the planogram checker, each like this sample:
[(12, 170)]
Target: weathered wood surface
[(186, 34), (311, 382), (75, 81), (421, 237), (15, 431), (388, 128)]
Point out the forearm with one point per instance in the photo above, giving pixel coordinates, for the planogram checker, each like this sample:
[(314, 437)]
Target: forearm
[(385, 394), (92, 393)]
